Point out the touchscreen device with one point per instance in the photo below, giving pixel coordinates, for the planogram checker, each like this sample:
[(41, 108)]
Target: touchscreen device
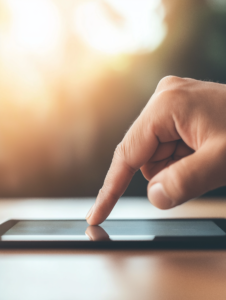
[(151, 233)]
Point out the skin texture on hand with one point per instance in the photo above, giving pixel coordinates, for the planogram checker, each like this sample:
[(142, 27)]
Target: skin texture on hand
[(178, 142)]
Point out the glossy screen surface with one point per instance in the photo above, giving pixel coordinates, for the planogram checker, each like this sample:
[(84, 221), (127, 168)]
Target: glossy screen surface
[(68, 230)]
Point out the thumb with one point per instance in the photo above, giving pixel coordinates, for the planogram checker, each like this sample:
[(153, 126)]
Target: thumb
[(189, 177)]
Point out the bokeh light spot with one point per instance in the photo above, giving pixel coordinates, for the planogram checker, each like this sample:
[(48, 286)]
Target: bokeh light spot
[(115, 26), (35, 25)]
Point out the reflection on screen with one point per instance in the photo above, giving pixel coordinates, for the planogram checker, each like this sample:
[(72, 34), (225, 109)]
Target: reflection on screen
[(116, 230)]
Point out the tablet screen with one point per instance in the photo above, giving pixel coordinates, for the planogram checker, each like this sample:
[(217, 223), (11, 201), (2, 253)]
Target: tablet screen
[(76, 230)]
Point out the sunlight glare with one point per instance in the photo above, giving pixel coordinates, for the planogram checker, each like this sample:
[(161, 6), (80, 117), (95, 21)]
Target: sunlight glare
[(35, 25), (121, 26)]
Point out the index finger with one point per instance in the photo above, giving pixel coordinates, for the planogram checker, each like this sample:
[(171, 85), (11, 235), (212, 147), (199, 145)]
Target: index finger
[(138, 145)]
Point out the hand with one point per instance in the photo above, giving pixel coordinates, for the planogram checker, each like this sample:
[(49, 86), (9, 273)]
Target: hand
[(178, 142)]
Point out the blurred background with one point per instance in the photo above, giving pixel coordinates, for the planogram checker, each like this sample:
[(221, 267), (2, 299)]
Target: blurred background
[(75, 74)]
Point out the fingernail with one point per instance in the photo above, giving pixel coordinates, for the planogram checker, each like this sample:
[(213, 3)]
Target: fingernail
[(89, 212), (158, 196)]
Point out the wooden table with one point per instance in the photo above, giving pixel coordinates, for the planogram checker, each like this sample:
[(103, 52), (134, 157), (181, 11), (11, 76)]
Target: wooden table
[(121, 275)]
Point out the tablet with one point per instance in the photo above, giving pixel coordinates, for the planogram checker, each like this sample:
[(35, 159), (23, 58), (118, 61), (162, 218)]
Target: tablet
[(150, 233)]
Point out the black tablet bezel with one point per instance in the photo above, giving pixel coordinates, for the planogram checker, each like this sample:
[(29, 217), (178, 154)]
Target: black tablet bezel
[(204, 242)]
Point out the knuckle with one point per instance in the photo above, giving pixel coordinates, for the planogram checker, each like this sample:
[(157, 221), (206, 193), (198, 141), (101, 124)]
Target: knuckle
[(120, 151), (174, 83), (123, 152), (173, 96), (167, 81), (125, 147)]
